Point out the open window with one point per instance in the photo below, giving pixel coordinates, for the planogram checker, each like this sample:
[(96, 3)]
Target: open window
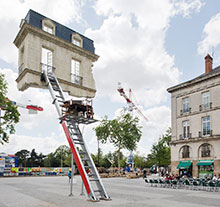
[(46, 59)]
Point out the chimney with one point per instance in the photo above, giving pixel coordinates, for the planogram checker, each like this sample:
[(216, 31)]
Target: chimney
[(208, 63)]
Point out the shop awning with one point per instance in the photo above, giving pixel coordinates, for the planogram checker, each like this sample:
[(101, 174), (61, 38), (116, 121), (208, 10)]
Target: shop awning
[(184, 164), (204, 162)]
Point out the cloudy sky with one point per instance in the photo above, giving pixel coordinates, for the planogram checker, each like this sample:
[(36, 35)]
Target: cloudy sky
[(146, 45)]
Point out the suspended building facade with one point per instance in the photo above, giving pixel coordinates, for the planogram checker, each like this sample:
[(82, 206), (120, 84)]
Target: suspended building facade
[(45, 44)]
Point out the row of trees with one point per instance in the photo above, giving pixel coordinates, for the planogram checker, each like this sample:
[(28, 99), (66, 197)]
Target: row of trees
[(159, 155), (60, 158)]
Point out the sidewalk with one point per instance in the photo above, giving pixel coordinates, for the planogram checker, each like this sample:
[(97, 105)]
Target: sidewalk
[(54, 191)]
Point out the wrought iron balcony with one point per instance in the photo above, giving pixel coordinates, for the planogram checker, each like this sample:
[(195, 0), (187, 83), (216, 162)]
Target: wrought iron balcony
[(76, 79)]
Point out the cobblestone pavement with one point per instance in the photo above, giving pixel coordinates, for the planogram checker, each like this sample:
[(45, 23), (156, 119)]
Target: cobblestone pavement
[(54, 191)]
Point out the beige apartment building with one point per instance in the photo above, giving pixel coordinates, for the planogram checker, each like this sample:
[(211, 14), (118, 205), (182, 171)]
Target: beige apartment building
[(195, 105), (45, 44)]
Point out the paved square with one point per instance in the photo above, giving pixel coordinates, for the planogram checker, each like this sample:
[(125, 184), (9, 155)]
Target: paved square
[(54, 191)]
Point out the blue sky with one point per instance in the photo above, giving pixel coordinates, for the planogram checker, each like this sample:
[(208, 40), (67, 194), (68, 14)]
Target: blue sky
[(146, 45)]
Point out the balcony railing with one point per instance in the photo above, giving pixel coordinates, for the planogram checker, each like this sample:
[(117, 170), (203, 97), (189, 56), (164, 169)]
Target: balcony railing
[(44, 67), (205, 106), (189, 136), (76, 79), (210, 133), (186, 110)]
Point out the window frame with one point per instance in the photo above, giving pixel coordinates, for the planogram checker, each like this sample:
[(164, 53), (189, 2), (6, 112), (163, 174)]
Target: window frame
[(76, 38), (205, 150), (206, 125), (185, 151), (48, 29), (48, 26), (75, 72), (206, 100), (186, 129), (186, 105)]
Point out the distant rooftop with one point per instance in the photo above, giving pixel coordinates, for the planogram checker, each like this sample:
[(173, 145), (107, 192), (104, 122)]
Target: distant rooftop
[(62, 31), (204, 76)]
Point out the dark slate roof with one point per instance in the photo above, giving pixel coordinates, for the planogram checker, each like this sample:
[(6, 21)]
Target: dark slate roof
[(204, 76), (62, 31)]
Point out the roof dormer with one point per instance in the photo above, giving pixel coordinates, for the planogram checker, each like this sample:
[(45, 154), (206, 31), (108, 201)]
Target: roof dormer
[(48, 26), (77, 40)]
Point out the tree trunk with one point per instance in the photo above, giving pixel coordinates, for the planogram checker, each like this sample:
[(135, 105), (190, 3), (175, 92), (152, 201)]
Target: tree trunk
[(119, 164)]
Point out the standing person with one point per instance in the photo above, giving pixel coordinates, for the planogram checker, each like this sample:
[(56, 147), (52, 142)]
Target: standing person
[(214, 178), (144, 173), (69, 175)]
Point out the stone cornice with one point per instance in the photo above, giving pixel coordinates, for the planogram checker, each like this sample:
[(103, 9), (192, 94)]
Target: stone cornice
[(206, 87), (28, 70), (193, 82), (195, 140), (27, 28)]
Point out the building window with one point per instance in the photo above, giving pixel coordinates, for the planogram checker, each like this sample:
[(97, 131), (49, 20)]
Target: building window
[(206, 125), (48, 26), (75, 71), (46, 60), (186, 105), (186, 129), (48, 29), (206, 150), (185, 152), (205, 100), (76, 42)]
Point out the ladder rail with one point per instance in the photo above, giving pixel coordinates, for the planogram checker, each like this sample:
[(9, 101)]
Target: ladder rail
[(77, 160), (94, 170), (71, 129), (55, 101)]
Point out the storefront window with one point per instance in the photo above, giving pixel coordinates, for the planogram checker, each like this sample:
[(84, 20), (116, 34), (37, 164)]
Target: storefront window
[(206, 171)]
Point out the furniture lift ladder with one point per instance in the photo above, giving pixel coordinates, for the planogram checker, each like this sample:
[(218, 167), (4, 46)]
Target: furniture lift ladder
[(84, 162)]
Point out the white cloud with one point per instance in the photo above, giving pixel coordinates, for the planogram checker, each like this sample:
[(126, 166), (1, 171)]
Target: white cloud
[(211, 35), (136, 55), (131, 45), (186, 7), (40, 144), (12, 11)]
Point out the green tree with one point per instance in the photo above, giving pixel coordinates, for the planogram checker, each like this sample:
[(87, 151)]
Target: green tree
[(10, 114), (140, 161), (62, 153), (160, 152), (123, 132), (33, 159), (51, 160), (23, 156), (41, 158), (98, 158)]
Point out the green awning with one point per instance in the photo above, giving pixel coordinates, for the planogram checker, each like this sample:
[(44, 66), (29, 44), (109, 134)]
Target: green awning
[(204, 162), (184, 164)]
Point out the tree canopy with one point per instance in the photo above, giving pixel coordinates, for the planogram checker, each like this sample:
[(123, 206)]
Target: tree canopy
[(9, 114), (160, 152), (123, 132)]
